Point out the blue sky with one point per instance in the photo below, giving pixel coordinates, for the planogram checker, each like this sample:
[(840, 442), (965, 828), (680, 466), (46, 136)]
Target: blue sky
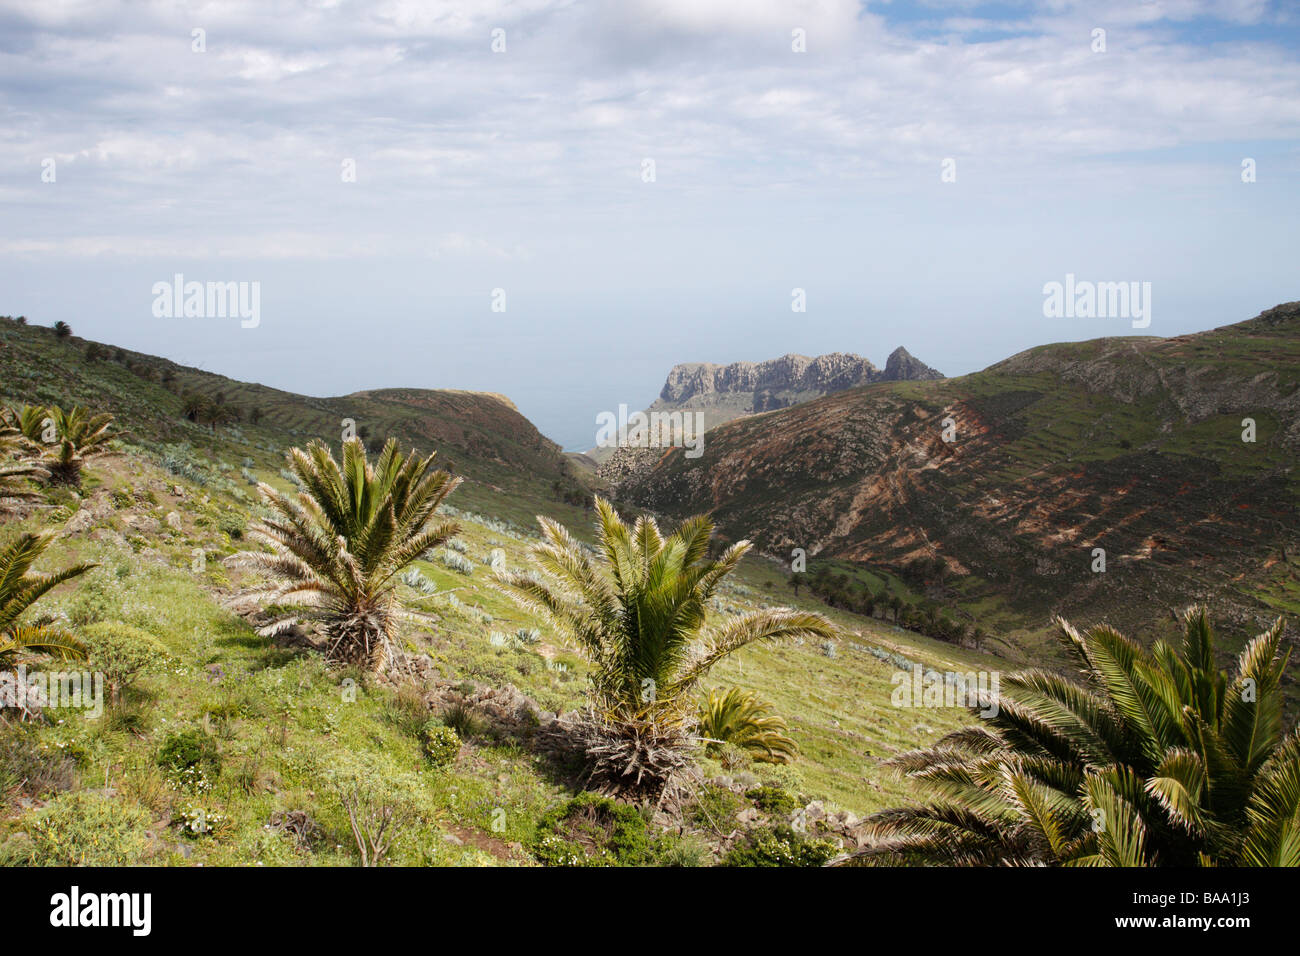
[(522, 170)]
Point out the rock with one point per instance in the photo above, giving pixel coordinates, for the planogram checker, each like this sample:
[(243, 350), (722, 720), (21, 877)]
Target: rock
[(144, 524), (173, 520), (79, 523), (815, 811), (453, 839), (748, 815)]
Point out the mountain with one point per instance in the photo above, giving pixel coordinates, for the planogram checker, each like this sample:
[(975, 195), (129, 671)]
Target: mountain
[(721, 393), (1132, 445)]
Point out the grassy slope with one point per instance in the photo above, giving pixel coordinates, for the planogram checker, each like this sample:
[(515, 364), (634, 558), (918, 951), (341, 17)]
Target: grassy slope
[(281, 720)]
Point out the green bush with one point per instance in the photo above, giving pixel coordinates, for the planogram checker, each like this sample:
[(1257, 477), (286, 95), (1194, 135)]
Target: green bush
[(715, 808), (191, 760), (441, 743), (591, 830), (121, 653), (773, 800), (232, 525), (85, 829), (779, 846)]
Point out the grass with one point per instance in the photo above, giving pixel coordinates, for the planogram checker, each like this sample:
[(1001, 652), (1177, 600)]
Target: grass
[(290, 735)]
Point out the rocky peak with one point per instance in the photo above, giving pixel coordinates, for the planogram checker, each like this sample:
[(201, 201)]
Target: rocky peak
[(789, 373), (903, 366)]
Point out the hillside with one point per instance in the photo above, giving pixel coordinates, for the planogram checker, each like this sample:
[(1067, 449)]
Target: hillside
[(291, 738), (1133, 445), (482, 435)]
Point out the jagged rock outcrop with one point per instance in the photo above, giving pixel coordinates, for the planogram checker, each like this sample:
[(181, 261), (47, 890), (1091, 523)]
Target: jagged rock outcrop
[(789, 373), (721, 393)]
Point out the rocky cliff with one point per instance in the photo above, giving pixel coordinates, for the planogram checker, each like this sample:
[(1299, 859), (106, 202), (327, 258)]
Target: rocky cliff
[(789, 373)]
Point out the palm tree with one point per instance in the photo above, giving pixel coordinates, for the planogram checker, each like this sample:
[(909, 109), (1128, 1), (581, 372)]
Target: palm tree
[(78, 436), (19, 590), (739, 717), (640, 621), (339, 544), (14, 471), (1157, 758), (194, 405), (32, 422)]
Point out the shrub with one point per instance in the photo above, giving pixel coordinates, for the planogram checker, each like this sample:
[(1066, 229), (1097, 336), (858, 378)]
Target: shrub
[(232, 525), (715, 808), (779, 846), (191, 759), (773, 800), (87, 829), (441, 743), (457, 563), (121, 653), (731, 756), (591, 830), (27, 768), (462, 719), (682, 852)]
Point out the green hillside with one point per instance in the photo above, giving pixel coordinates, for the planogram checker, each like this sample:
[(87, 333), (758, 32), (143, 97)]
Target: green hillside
[(284, 742)]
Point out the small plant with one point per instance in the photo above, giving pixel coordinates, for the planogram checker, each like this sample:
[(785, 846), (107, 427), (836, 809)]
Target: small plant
[(87, 829), (740, 718), (591, 830), (232, 525), (196, 822), (715, 808), (461, 718), (773, 801), (779, 845), (456, 562), (191, 760), (121, 653), (19, 590), (441, 743), (27, 768), (377, 815)]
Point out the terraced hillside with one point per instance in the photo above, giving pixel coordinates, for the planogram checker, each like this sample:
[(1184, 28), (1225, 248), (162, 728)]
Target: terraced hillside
[(1131, 445)]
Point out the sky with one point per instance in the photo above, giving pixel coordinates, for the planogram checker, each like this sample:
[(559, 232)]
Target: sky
[(559, 200)]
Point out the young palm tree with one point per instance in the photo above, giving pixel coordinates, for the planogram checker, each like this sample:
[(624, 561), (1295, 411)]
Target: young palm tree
[(1157, 758), (739, 717), (14, 471), (32, 422), (19, 590), (339, 544), (67, 438), (640, 620)]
